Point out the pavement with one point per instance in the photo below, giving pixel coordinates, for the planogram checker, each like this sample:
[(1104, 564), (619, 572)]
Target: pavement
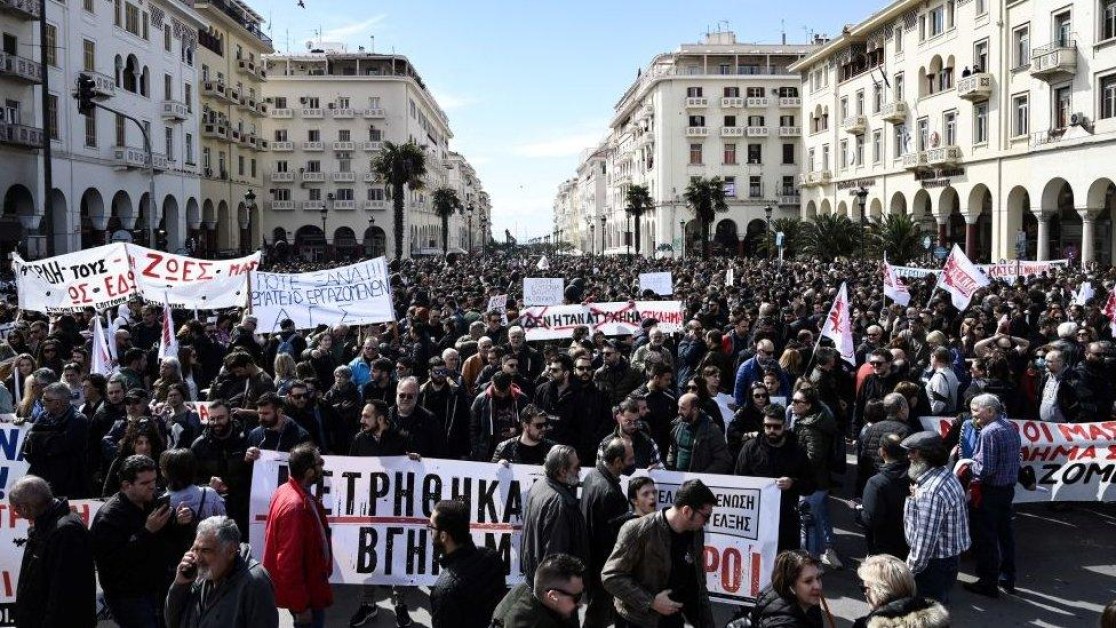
[(1067, 574)]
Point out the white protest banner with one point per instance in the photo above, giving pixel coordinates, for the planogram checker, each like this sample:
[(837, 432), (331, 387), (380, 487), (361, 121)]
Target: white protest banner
[(960, 278), (99, 278), (499, 303), (12, 465), (13, 535), (190, 283), (1020, 268), (612, 319), (355, 295), (659, 283), (543, 291), (1073, 462), (378, 509), (893, 288), (910, 272), (838, 328), (730, 277)]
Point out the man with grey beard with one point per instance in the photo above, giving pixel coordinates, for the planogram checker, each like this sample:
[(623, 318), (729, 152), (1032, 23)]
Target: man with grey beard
[(935, 518), (552, 519)]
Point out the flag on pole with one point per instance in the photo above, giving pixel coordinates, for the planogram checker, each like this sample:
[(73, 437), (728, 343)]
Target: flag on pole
[(1110, 310), (961, 278), (838, 328), (730, 277), (893, 288), (1084, 293), (168, 342), (102, 357)]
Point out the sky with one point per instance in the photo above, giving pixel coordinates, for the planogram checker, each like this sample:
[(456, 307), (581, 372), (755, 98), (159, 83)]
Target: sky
[(528, 86)]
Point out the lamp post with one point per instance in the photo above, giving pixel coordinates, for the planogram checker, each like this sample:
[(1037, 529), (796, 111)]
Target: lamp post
[(862, 200), (592, 234), (325, 215), (604, 220), (249, 207), (628, 237), (682, 239), (469, 211), (767, 235)]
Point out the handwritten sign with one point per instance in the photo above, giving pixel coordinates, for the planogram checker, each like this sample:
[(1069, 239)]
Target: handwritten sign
[(660, 283), (543, 291), (612, 319), (355, 295), (99, 277), (499, 303), (190, 283)]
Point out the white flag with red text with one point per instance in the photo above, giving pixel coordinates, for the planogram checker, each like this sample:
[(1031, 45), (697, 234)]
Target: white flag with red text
[(961, 278), (1110, 309), (838, 327), (893, 288), (101, 357), (168, 342)]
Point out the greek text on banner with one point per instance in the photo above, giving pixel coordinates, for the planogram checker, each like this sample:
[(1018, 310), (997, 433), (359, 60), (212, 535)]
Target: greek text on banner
[(357, 294), (613, 319)]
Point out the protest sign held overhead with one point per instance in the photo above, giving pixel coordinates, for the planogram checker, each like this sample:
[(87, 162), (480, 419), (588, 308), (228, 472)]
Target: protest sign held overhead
[(543, 291), (613, 319), (499, 303), (893, 288), (961, 278), (659, 283), (355, 295)]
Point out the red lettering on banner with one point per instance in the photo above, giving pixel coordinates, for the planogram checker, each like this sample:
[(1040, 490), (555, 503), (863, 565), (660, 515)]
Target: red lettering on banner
[(1111, 452), (756, 562), (79, 294), (166, 268), (8, 590), (156, 258), (1032, 454), (731, 564), (82, 511), (120, 285), (240, 269), (1089, 452)]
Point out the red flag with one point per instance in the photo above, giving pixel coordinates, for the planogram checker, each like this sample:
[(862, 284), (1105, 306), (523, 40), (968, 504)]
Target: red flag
[(168, 342), (961, 278), (893, 288)]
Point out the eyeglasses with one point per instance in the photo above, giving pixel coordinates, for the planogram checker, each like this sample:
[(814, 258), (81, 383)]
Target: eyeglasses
[(405, 395), (433, 528), (692, 387), (540, 426), (876, 363), (704, 515), (576, 597)]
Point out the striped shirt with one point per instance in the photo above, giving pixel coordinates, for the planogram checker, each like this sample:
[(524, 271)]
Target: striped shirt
[(996, 458), (935, 519)]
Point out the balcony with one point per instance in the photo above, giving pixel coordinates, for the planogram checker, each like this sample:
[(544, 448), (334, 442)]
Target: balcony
[(790, 131), (20, 135), (231, 95), (261, 71), (944, 156), (215, 131), (1054, 61), (342, 177), (373, 113), (310, 112), (213, 88), (696, 102), (282, 147), (804, 180), (915, 161), (371, 146), (282, 177), (313, 206), (125, 157), (758, 131), (175, 110), (790, 102), (21, 9), (262, 144), (375, 205), (344, 205), (789, 197), (234, 135), (348, 146), (732, 131), (821, 177), (343, 114), (697, 131), (313, 146), (757, 102), (247, 140), (259, 110), (282, 113), (313, 177), (281, 206), (732, 102), (855, 124), (976, 87), (246, 66), (246, 103), (20, 68), (895, 112)]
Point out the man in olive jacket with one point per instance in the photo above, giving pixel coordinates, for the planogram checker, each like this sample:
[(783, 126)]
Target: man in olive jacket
[(643, 574)]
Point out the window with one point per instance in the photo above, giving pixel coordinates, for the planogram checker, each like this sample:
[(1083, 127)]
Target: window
[(52, 115), (949, 124), (345, 165), (88, 56), (730, 154), (923, 138), (313, 166), (980, 56), (188, 145), (51, 45), (87, 5), (755, 154), (756, 92), (725, 68), (1108, 97), (898, 82), (240, 165), (343, 102), (899, 40), (786, 120), (950, 14), (843, 160), (118, 12), (312, 102), (375, 194), (825, 157), (693, 92), (280, 102), (345, 194), (131, 18), (900, 138), (860, 102), (788, 153), (375, 135), (755, 187), (121, 134), (207, 160), (844, 108), (730, 120), (146, 35), (313, 135), (168, 141), (91, 129), (695, 154), (697, 121), (980, 123), (188, 96), (314, 194), (757, 121), (1021, 47), (937, 20), (859, 141), (732, 92), (281, 166), (1063, 29), (344, 135), (810, 160), (788, 186), (1020, 115), (167, 40), (981, 9), (252, 168), (1108, 20), (1063, 102), (728, 184), (877, 98), (282, 194), (877, 146), (280, 135), (168, 87)]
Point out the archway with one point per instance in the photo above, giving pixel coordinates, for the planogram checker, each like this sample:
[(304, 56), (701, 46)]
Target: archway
[(826, 209), (949, 207), (143, 221), (123, 212), (898, 204), (243, 224), (1065, 223), (93, 219), (193, 227), (843, 209), (811, 210), (1102, 204), (753, 236), (209, 229), (18, 201), (875, 211), (1022, 226), (375, 242), (172, 224), (345, 243), (57, 227), (979, 205), (310, 243), (725, 238), (224, 227)]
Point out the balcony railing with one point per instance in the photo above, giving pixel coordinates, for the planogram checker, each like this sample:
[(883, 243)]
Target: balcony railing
[(894, 111), (375, 205), (246, 66), (285, 112), (944, 156), (282, 177), (793, 102), (20, 68), (915, 160), (371, 177), (758, 131), (756, 102), (23, 9), (175, 110), (696, 102), (213, 88), (129, 157), (282, 206), (216, 131), (371, 146), (732, 102), (790, 131), (282, 147), (855, 124), (344, 205), (732, 131), (346, 146), (313, 177), (345, 113), (789, 199), (313, 205), (1055, 60), (342, 177), (20, 135), (975, 87), (313, 146), (697, 131), (376, 112), (312, 112)]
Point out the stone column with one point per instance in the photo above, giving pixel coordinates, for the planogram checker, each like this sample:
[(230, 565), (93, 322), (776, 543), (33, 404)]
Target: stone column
[(971, 236), (1043, 236), (943, 230), (1088, 224)]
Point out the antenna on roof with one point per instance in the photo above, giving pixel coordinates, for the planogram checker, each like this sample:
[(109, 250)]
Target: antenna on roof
[(783, 30)]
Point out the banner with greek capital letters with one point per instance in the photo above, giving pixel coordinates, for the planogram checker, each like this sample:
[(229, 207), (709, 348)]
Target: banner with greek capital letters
[(357, 294)]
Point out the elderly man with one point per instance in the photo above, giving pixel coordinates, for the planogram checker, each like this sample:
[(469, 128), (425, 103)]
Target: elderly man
[(426, 436), (56, 585), (474, 364), (531, 362), (752, 370), (219, 584), (697, 444), (995, 472), (552, 519), (57, 444), (935, 517), (642, 356), (1065, 399)]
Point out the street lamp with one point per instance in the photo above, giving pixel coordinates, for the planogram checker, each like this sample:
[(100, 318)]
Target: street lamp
[(249, 207), (862, 200), (682, 239), (628, 237), (604, 220), (325, 214), (469, 210), (767, 235)]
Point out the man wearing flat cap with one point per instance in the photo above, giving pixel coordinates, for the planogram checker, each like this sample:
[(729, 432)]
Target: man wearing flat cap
[(935, 518)]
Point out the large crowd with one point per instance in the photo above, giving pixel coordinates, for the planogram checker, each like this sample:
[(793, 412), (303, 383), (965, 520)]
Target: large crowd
[(745, 387)]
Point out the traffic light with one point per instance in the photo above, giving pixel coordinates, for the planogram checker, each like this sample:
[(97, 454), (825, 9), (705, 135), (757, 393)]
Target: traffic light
[(86, 92)]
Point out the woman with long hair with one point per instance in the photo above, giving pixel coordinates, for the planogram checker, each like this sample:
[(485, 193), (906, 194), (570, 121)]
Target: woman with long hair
[(794, 598), (140, 437), (748, 421), (284, 367), (698, 386), (25, 365), (188, 369)]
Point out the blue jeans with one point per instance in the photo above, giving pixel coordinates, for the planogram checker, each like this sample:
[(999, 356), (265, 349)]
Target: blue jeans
[(317, 619), (994, 536), (936, 581), (133, 612), (818, 536)]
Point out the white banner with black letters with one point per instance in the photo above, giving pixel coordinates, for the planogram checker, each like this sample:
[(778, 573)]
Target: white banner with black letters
[(357, 294)]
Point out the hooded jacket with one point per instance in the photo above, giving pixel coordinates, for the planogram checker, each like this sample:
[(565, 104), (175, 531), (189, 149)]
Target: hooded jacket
[(55, 448), (244, 600), (908, 612), (482, 432)]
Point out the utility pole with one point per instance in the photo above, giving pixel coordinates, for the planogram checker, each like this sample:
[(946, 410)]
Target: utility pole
[(44, 107)]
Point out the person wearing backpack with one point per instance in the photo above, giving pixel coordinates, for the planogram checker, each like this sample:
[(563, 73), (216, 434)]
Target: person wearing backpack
[(287, 341)]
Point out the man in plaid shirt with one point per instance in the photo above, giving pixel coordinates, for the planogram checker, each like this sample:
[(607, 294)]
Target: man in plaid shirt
[(935, 517)]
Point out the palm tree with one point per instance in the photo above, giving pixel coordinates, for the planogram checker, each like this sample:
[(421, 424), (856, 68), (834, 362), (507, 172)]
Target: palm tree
[(639, 202), (400, 165), (830, 236), (445, 203), (898, 236), (792, 237), (706, 197)]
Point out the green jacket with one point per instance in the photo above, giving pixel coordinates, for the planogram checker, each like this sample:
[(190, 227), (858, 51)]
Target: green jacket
[(521, 609)]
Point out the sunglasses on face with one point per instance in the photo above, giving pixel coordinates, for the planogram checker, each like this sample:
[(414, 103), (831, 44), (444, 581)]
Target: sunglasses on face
[(576, 597), (298, 396), (761, 396)]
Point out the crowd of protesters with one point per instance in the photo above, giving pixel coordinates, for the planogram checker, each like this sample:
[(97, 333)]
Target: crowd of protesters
[(743, 388)]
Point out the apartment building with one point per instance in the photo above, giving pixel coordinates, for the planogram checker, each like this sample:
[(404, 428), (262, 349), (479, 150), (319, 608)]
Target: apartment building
[(465, 225), (330, 111), (142, 56), (990, 122), (231, 71), (720, 108)]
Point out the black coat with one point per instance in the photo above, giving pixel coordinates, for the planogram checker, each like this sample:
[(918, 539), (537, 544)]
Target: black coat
[(602, 501), (56, 450), (391, 443), (775, 611), (57, 588), (224, 458), (131, 561), (874, 433), (758, 458), (424, 435), (468, 589), (884, 497), (552, 524)]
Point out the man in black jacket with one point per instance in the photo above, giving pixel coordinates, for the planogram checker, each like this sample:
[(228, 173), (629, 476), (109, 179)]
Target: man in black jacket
[(552, 520), (56, 444), (530, 447), (424, 433), (220, 452), (879, 382), (494, 416), (56, 583), (602, 501), (471, 582), (444, 399), (884, 497), (557, 398)]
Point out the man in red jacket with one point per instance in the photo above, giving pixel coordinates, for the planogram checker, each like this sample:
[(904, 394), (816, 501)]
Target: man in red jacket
[(297, 550)]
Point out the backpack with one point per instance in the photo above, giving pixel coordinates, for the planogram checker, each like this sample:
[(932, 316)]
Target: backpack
[(285, 346)]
